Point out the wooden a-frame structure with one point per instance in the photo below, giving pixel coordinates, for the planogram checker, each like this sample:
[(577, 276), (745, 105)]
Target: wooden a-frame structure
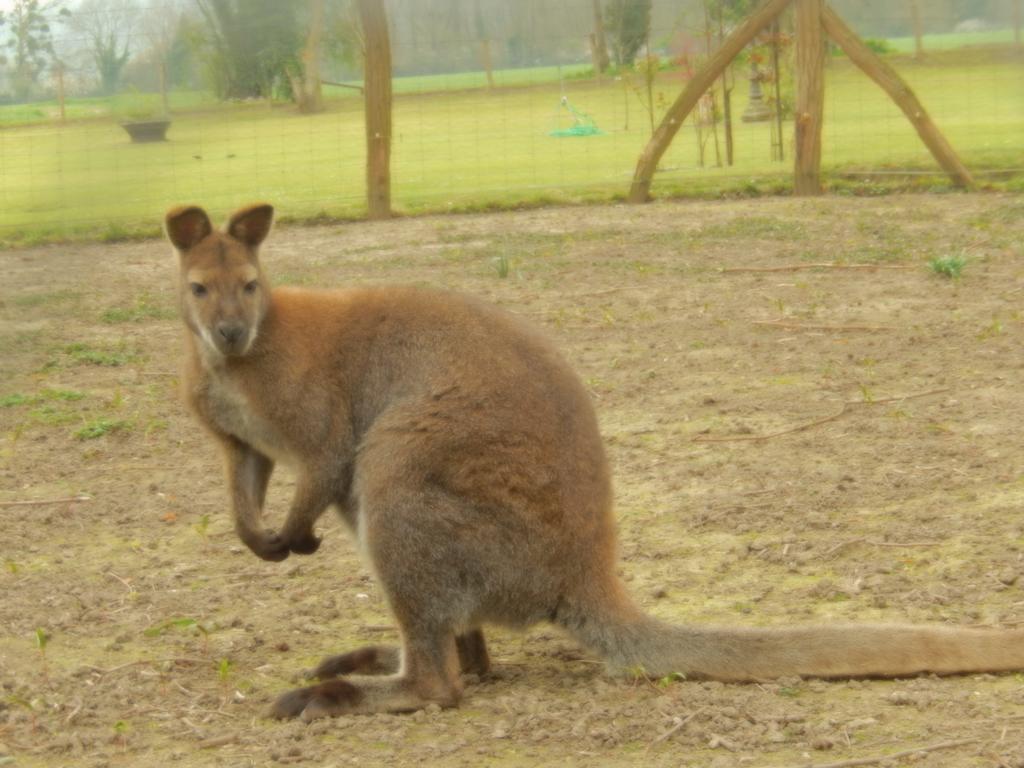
[(814, 20)]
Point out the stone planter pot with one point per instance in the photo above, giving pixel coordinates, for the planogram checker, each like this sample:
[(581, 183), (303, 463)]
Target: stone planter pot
[(147, 130)]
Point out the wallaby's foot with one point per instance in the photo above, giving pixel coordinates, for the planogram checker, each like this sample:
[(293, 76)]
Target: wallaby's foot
[(429, 675), (386, 659), (363, 695), (329, 699), (267, 545), (371, 660)]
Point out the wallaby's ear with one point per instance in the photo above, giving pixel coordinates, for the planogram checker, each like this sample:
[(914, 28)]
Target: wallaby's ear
[(186, 226), (251, 224)]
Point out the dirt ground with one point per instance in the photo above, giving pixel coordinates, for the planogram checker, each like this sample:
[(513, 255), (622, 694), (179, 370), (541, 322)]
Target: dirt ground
[(135, 630)]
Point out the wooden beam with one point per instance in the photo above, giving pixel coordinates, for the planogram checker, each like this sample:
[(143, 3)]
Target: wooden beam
[(898, 90), (810, 96), (377, 100), (702, 80), (598, 42)]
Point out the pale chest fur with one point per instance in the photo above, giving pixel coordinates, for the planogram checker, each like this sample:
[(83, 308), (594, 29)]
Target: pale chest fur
[(229, 409)]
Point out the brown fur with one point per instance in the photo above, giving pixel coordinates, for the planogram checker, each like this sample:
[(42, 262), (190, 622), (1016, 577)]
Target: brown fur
[(464, 455)]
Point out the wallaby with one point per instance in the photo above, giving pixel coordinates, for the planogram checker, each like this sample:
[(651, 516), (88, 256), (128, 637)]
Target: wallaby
[(463, 454)]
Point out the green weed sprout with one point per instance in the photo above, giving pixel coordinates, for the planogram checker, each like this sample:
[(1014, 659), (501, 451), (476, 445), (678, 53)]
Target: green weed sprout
[(42, 638), (224, 668), (948, 266)]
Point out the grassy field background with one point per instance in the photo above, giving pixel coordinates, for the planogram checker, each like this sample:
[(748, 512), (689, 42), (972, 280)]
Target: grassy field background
[(458, 146)]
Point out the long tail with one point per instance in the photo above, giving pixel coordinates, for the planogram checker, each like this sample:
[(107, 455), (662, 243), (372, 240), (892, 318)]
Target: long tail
[(629, 639)]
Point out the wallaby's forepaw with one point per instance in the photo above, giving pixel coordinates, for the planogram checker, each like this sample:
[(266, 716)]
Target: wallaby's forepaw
[(268, 546), (329, 699), (304, 544)]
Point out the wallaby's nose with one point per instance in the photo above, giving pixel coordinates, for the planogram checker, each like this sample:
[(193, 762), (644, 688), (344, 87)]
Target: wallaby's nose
[(230, 332)]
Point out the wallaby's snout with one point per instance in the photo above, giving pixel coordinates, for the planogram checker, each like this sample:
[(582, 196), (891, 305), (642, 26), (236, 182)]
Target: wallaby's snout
[(232, 337), (230, 332)]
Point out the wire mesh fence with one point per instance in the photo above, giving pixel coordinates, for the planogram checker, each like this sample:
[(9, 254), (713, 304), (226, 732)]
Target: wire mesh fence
[(496, 103)]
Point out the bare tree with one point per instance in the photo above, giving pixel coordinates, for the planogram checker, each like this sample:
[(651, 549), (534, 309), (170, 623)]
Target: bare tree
[(485, 44), (915, 24), (598, 40), (106, 27), (306, 84), (159, 23)]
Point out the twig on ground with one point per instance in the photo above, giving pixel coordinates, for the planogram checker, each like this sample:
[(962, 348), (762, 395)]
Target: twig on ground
[(821, 326), (875, 543), (218, 741), (42, 502), (605, 292), (900, 398), (127, 584), (813, 265), (841, 545), (73, 714), (196, 730), (816, 423), (378, 628), (895, 755), (677, 727), (758, 438), (140, 662)]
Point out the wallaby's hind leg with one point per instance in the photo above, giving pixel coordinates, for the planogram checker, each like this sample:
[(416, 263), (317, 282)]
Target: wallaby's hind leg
[(473, 656), (385, 659), (432, 582)]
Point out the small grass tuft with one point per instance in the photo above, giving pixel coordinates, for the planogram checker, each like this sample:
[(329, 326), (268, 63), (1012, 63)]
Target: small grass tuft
[(42, 639), (224, 670), (158, 629), (100, 427), (671, 679), (113, 357), (502, 266), (950, 267), (45, 396)]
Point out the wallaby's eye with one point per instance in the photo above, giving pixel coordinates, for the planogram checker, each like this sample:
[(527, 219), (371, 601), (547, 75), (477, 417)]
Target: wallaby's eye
[(198, 289), (251, 286)]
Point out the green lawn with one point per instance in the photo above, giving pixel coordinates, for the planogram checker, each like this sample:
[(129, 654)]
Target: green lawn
[(952, 40), (123, 106), (467, 148), (458, 81)]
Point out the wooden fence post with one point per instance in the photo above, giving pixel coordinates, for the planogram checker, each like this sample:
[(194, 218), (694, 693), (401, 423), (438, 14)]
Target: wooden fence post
[(377, 100), (810, 96), (702, 79), (60, 89), (886, 77)]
